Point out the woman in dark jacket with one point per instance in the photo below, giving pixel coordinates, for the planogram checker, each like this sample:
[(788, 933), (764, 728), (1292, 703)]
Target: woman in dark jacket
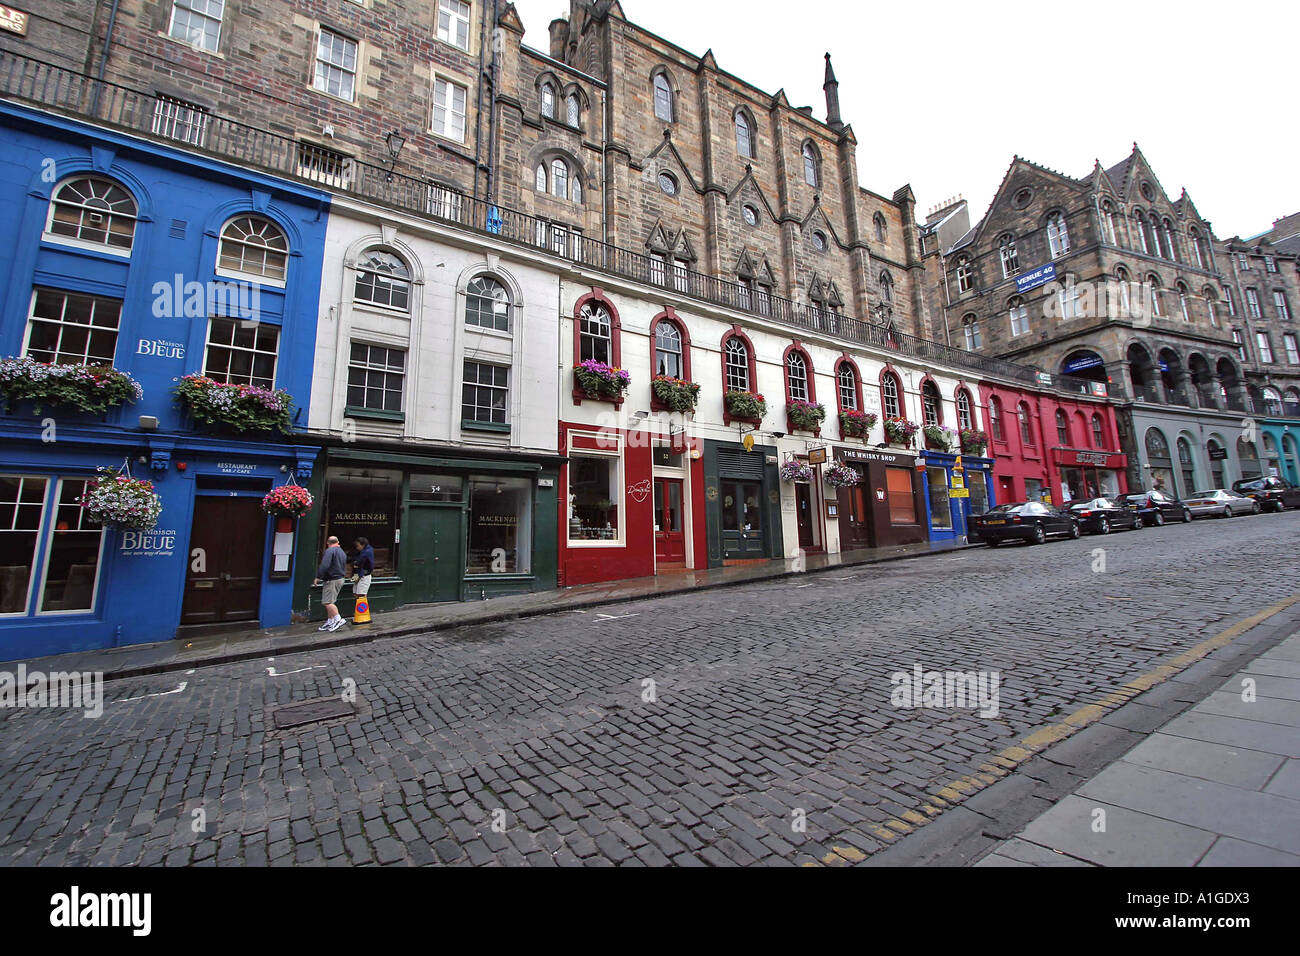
[(363, 565)]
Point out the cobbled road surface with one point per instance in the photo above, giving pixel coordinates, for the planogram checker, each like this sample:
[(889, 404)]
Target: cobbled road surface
[(533, 742)]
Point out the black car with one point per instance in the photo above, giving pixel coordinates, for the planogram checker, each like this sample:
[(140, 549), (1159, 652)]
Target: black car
[(1272, 493), (1030, 521), (1157, 507), (1104, 515)]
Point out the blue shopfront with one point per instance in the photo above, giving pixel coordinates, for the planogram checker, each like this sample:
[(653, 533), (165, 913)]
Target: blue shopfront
[(119, 253), (955, 487), (1279, 449)]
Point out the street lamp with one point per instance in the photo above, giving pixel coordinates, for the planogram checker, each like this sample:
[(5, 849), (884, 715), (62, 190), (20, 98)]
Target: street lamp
[(395, 142)]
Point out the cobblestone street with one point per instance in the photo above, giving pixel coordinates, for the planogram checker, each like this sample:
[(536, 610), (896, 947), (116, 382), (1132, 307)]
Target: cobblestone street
[(532, 742)]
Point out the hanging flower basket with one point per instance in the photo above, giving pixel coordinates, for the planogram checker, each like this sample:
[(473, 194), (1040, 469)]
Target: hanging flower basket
[(749, 406), (939, 438), (675, 394), (854, 424), (805, 416), (287, 501), (840, 475), (241, 408), (116, 500), (973, 441), (87, 388), (600, 380), (900, 431), (795, 470)]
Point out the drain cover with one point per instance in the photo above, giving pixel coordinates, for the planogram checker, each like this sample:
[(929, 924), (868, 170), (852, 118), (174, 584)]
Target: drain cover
[(311, 711)]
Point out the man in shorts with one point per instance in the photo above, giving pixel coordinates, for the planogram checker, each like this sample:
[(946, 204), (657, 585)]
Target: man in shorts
[(330, 576)]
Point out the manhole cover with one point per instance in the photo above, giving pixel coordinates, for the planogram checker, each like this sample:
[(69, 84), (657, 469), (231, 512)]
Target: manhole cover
[(311, 711)]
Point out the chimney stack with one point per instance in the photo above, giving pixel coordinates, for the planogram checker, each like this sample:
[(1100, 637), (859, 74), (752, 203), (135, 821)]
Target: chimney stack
[(832, 88), (559, 39)]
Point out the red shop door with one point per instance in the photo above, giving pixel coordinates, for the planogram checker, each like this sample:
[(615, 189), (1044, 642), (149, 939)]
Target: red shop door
[(670, 539)]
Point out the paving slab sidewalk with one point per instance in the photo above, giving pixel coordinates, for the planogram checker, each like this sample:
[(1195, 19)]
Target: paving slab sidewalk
[(142, 659), (1218, 785)]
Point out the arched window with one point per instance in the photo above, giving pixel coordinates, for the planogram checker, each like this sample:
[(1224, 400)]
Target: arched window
[(595, 334), (847, 380), (487, 304), (1186, 466), (879, 222), (796, 377), (663, 94), (1153, 289), (1108, 223), (809, 164), (995, 419), (1211, 304), (1171, 247), (1058, 238), (890, 395), (1183, 304), (94, 211), (1007, 254), (559, 179), (541, 178), (253, 246), (970, 327), (1140, 232), (548, 101), (965, 274), (965, 410), (931, 404), (1272, 402), (1098, 432), (1200, 248), (737, 362), (1125, 298), (1018, 313), (668, 350), (383, 279), (1026, 424), (744, 135), (572, 110), (1062, 429), (886, 288)]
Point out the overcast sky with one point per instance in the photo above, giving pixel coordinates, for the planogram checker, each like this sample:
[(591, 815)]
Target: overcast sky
[(942, 95)]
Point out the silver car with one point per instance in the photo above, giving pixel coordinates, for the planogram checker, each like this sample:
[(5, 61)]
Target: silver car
[(1220, 503)]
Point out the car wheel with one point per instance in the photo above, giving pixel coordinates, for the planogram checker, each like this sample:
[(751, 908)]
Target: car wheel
[(1104, 527), (1039, 535), (1160, 519), (1074, 531), (1227, 511), (1187, 515), (1254, 509)]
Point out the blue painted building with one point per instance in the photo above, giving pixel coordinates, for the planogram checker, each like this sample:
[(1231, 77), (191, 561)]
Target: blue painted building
[(946, 515), (1280, 452), (161, 263)]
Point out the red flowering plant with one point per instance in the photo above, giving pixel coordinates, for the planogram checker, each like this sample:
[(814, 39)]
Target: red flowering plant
[(243, 408), (900, 431), (973, 441), (287, 501), (805, 416), (676, 394), (855, 424), (116, 500), (749, 406)]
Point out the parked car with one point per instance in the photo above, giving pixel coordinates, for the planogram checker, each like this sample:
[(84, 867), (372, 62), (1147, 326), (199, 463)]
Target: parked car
[(1272, 493), (1104, 515), (1220, 503), (1030, 521), (1157, 507)]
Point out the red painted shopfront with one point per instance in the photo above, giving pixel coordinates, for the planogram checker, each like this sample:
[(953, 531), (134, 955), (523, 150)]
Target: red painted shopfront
[(1051, 447), (631, 504)]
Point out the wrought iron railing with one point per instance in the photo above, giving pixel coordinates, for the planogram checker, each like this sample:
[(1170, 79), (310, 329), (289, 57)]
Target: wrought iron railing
[(52, 87)]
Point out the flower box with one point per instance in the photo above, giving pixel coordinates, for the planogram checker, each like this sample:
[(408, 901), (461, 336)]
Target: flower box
[(805, 416), (744, 406), (939, 438), (116, 500), (840, 475), (599, 381), (673, 395), (795, 470), (240, 408), (973, 441), (900, 431), (287, 501), (854, 424), (87, 388)]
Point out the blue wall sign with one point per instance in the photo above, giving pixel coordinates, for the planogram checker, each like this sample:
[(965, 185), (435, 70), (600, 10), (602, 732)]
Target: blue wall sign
[(1080, 363), (1032, 280)]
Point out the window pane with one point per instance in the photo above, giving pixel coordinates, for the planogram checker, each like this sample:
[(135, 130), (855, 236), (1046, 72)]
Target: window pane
[(593, 493), (940, 512), (500, 526), (72, 567), (364, 505), (22, 502), (902, 509)]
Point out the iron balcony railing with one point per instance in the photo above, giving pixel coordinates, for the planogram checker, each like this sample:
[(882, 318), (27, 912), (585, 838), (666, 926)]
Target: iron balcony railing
[(26, 79)]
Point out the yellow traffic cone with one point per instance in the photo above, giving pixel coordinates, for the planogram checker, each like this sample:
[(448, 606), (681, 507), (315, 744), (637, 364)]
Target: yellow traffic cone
[(362, 613)]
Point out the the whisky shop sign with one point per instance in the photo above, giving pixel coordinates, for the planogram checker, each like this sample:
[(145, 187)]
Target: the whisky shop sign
[(884, 457), (15, 21)]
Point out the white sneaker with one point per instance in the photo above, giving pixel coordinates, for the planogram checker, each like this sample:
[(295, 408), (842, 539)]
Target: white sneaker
[(325, 626), (338, 622)]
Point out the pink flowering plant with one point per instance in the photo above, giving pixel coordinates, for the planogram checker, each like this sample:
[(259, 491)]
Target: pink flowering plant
[(796, 470), (806, 416), (601, 380), (287, 501), (749, 406), (840, 475), (676, 395), (855, 424), (973, 441), (243, 408), (87, 388), (900, 431), (116, 500)]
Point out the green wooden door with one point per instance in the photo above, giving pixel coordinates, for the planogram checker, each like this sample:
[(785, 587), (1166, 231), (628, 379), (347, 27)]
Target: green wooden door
[(432, 553)]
